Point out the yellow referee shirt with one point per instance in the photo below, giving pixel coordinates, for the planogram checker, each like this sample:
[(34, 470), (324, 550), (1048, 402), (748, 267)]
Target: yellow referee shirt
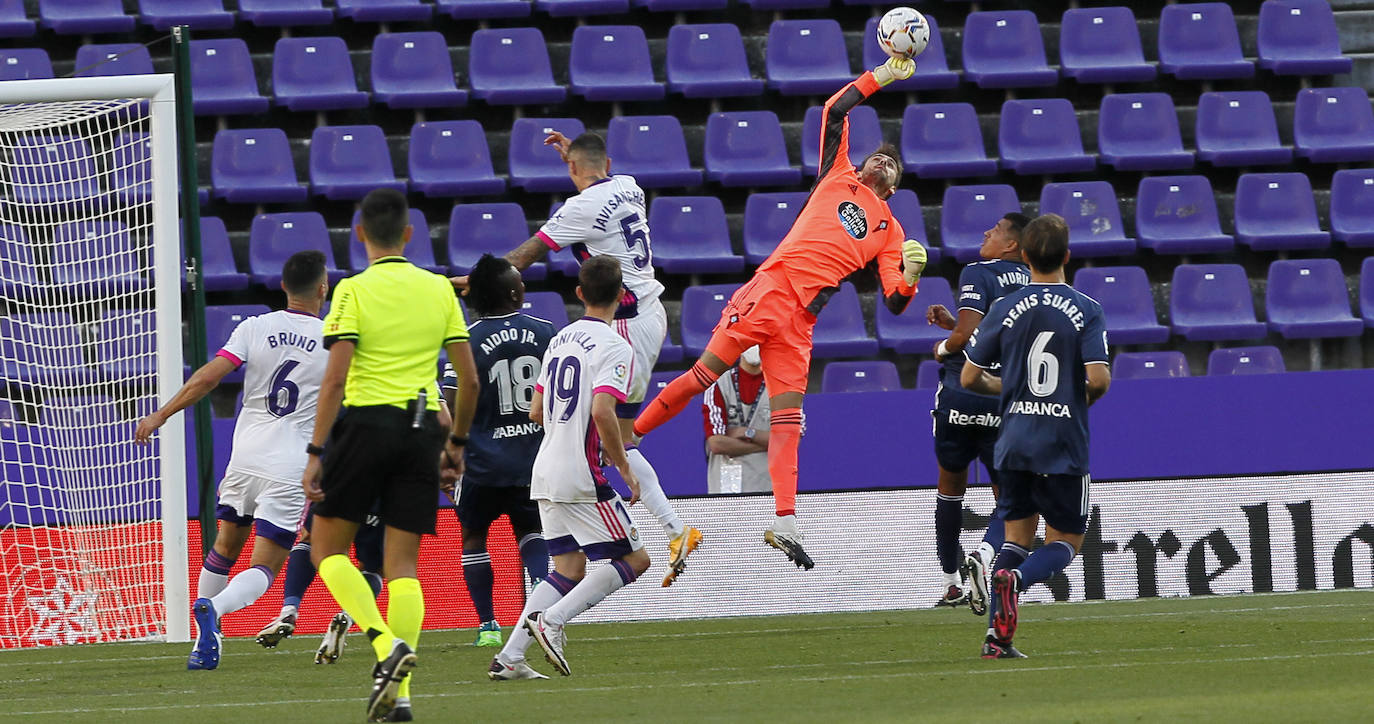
[(399, 316)]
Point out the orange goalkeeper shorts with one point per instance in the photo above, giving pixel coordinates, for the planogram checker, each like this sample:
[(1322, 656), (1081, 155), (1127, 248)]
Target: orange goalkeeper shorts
[(766, 311)]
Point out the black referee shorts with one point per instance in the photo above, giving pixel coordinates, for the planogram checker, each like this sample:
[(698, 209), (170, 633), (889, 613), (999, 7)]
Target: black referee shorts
[(376, 462)]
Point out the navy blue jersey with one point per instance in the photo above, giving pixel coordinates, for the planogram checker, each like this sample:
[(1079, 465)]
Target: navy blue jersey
[(980, 284), (1044, 335), (503, 442)]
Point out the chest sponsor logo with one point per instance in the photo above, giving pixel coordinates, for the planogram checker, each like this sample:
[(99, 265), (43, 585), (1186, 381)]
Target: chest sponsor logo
[(853, 219)]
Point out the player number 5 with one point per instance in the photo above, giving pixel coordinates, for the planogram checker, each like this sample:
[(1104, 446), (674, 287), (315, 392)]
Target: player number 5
[(636, 239), (1042, 368)]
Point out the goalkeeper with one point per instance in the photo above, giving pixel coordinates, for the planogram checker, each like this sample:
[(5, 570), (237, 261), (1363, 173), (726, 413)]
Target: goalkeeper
[(845, 226)]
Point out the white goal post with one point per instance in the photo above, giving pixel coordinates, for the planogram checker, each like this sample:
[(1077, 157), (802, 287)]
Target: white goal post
[(93, 527)]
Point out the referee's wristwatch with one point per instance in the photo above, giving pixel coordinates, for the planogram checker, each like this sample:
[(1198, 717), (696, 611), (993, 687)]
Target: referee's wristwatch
[(749, 434), (457, 440), (313, 449)]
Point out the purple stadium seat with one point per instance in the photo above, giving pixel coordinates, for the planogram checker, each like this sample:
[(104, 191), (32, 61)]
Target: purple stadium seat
[(691, 235), (611, 63), (1091, 210), (1139, 132), (669, 353), (1298, 37), (1003, 49), (534, 166), (767, 219), (1352, 207), (484, 9), (52, 169), (477, 229), (1307, 298), (218, 270), (220, 322), (708, 61), (807, 57), (20, 275), (1178, 215), (346, 162), (451, 158), (124, 349), (943, 140), (865, 136), (510, 66), (659, 380), (928, 374), (1149, 365), (288, 13), (83, 263), (1276, 212), (14, 22), (673, 6), (1199, 41), (746, 148), (758, 5), (701, 308), (967, 212), (273, 238), (1237, 128), (253, 166), (1334, 125), (198, 14), (1262, 360), (1124, 293), (840, 330), (384, 11), (130, 178), (906, 208), (574, 8), (547, 306), (83, 17), (24, 64), (1041, 137), (420, 250), (223, 81), (1102, 45), (414, 70), (652, 149), (94, 61), (871, 376), (1367, 292), (314, 74), (42, 349), (1213, 303), (932, 72), (908, 333)]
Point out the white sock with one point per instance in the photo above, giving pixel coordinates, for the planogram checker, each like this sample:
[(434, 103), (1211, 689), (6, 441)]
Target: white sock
[(651, 494), (242, 590), (951, 579), (590, 591), (287, 611), (210, 584), (986, 552), (541, 598)]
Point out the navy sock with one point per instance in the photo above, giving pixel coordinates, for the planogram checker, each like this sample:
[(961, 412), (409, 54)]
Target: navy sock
[(374, 581), (949, 510), (1011, 556), (300, 573), (1045, 562), (996, 533), (534, 553), (479, 578)]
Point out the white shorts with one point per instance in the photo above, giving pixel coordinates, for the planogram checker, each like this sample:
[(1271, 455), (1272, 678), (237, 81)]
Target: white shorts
[(645, 332), (244, 497), (602, 530)]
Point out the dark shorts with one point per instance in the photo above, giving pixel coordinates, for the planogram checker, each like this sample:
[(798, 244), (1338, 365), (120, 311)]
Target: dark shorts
[(1062, 500), (376, 462), (367, 542), (479, 505), (961, 438)]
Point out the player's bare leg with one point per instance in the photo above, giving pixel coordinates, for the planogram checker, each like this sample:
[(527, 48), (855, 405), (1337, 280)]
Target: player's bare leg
[(785, 430), (949, 511)]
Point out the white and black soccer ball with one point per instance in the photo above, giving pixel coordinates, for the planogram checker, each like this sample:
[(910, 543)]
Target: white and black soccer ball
[(903, 33)]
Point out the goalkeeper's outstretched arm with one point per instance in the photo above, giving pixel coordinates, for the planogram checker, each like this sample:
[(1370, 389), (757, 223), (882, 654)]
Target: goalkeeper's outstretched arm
[(835, 114), (205, 379)]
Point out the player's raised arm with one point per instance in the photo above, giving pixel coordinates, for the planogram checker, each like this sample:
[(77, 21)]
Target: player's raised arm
[(835, 114)]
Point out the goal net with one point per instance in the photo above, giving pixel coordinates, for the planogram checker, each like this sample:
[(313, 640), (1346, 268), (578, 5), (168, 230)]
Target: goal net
[(93, 527)]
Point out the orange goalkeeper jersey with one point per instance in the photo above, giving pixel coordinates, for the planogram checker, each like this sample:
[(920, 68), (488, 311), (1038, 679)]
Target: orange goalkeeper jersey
[(843, 225)]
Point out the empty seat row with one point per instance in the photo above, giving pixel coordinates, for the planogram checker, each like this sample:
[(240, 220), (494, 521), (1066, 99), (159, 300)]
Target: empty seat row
[(52, 350), (1259, 360)]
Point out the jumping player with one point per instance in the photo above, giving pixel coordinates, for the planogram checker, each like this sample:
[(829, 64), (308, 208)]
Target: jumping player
[(285, 360), (965, 423), (607, 217), (586, 371), (508, 347), (844, 226), (1051, 342)]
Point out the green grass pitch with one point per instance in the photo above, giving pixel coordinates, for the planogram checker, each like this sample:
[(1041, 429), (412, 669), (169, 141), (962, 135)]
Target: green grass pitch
[(1295, 657)]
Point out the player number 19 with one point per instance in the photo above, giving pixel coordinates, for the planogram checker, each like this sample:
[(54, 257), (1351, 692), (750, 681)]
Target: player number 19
[(1042, 368)]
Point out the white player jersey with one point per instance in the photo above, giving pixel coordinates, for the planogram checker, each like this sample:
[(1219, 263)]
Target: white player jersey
[(285, 360), (609, 219), (584, 358)]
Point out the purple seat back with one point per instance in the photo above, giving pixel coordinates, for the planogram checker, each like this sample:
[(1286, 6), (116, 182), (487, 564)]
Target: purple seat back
[(547, 306), (346, 162), (1352, 206), (290, 13), (115, 59), (384, 11), (1213, 302), (807, 57), (1199, 41), (1178, 214), (476, 229), (872, 376), (534, 166), (78, 17), (223, 80), (969, 211), (708, 61), (254, 165), (451, 158), (611, 63), (908, 333), (314, 74), (746, 148), (414, 70), (511, 66), (767, 219), (1334, 125), (273, 238), (1261, 360), (198, 14), (1308, 297), (691, 235), (1102, 45), (1124, 293), (1139, 132), (839, 330), (652, 149), (1236, 128), (943, 140), (1276, 211), (1299, 37), (701, 308), (1003, 49), (1041, 136), (24, 64), (1150, 365), (1091, 210)]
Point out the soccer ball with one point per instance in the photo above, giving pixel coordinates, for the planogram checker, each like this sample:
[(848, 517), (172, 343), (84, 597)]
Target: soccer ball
[(903, 33)]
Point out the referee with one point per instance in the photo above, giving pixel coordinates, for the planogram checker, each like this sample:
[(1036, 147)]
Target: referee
[(379, 453)]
